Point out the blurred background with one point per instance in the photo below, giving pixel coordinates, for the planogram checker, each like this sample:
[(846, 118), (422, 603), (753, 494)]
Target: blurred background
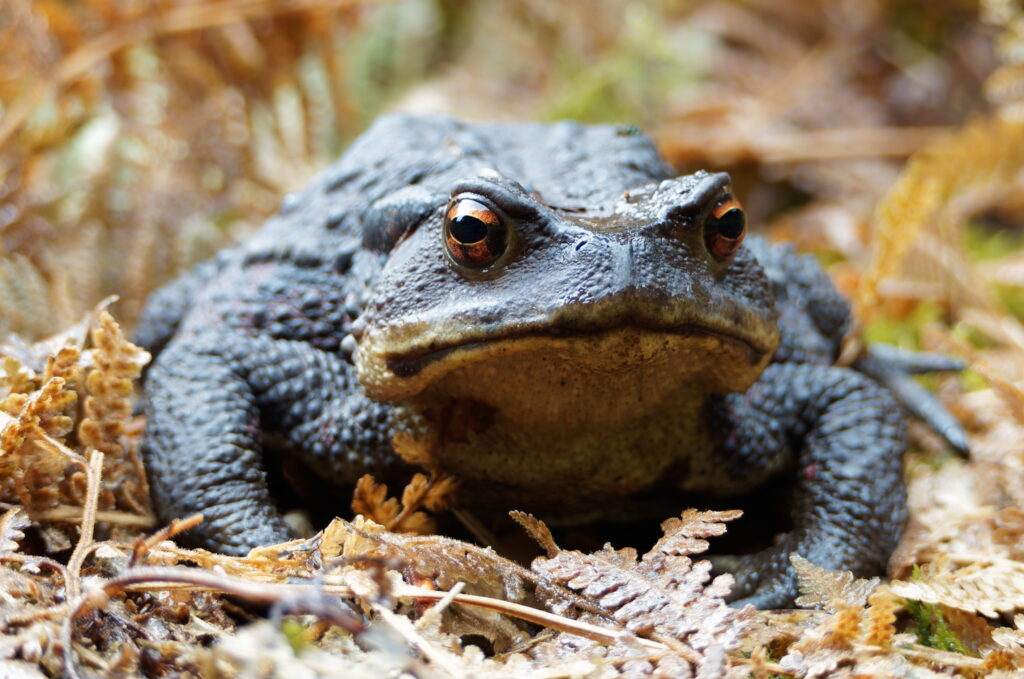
[(137, 137)]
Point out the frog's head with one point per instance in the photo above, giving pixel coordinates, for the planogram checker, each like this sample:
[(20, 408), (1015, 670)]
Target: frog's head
[(499, 297)]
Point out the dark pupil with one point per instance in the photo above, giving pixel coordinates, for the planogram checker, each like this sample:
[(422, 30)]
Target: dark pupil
[(731, 223), (468, 229)]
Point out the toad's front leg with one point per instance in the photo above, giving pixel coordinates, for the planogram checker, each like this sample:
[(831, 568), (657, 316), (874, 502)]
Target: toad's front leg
[(210, 399), (849, 505), (202, 447)]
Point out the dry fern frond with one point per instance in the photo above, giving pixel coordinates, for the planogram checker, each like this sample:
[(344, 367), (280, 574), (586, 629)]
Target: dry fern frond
[(1004, 87), (685, 534), (662, 595), (16, 378), (844, 626), (1011, 638), (954, 178), (39, 466), (65, 365), (34, 463), (116, 364), (999, 659), (371, 500), (154, 129), (12, 530), (825, 589), (881, 624), (848, 645), (537, 530), (24, 297), (164, 129), (433, 493), (45, 410), (418, 450), (985, 588), (940, 186)]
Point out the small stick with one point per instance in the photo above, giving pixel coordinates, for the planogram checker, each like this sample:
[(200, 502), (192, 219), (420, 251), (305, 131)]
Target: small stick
[(93, 474)]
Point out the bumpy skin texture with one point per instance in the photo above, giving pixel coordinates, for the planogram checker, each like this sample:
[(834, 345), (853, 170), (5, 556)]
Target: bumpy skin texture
[(259, 347)]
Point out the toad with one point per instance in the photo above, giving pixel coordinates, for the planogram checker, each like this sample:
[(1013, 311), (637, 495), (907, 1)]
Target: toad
[(578, 329)]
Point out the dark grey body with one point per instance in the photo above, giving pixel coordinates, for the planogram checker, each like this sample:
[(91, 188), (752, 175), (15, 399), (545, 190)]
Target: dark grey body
[(259, 342)]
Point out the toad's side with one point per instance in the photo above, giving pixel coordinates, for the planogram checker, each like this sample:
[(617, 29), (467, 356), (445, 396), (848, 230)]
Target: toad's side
[(574, 327)]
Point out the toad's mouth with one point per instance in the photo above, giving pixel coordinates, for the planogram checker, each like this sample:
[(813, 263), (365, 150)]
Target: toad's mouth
[(413, 364), (718, 360)]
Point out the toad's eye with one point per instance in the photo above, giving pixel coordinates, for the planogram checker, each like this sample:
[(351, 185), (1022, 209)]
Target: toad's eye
[(474, 234), (725, 228)]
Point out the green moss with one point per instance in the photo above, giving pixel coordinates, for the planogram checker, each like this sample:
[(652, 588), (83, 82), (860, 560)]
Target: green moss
[(982, 242), (932, 628), (904, 332), (294, 632)]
